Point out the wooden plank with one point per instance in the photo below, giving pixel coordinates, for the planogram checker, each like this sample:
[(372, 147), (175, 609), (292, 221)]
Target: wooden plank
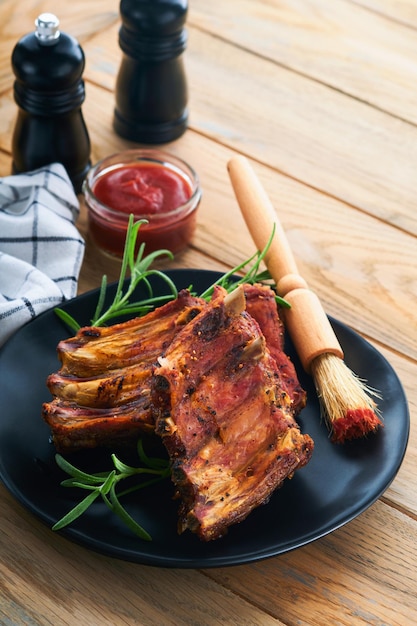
[(404, 12), (305, 130), (403, 490), (362, 574), (340, 44)]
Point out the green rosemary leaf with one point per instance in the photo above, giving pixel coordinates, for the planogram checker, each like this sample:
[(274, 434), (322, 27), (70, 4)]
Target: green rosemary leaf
[(128, 253), (77, 511), (128, 470), (73, 482), (154, 462), (108, 483), (67, 319), (126, 518), (101, 297), (122, 467), (73, 471)]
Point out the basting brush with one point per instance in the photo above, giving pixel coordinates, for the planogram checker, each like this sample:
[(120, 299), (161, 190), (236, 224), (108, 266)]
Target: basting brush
[(346, 402)]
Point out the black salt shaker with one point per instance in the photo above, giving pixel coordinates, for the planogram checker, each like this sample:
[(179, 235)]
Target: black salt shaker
[(49, 91), (151, 88)]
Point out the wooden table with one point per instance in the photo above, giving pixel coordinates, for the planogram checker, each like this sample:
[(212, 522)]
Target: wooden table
[(321, 95)]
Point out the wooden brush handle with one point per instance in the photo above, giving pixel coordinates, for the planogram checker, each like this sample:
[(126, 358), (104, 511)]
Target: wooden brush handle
[(306, 320)]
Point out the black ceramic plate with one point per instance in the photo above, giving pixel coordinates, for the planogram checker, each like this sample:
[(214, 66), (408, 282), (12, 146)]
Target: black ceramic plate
[(337, 485)]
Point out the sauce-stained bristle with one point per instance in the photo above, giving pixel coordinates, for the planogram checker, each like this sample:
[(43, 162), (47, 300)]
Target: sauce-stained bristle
[(346, 401)]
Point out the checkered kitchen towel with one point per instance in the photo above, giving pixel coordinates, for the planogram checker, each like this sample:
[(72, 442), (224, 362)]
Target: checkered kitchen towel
[(40, 248)]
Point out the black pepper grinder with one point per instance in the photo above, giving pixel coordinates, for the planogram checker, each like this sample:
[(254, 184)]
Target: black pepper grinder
[(49, 92), (151, 88)]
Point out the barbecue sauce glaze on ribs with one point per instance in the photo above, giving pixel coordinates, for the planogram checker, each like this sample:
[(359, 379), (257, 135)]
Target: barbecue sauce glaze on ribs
[(261, 305), (212, 380), (102, 391), (223, 408)]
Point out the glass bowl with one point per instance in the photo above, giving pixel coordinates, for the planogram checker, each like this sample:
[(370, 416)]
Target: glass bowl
[(150, 184)]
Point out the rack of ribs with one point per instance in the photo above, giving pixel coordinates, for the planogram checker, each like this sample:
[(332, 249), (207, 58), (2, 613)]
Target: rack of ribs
[(225, 405), (101, 394), (212, 380)]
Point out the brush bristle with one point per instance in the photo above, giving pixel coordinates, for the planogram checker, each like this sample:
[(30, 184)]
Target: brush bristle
[(345, 399)]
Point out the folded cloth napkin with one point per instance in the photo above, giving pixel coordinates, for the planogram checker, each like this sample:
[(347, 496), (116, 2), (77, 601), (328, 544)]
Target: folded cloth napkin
[(41, 250)]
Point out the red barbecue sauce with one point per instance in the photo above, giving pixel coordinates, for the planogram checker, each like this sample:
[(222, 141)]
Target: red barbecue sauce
[(148, 190)]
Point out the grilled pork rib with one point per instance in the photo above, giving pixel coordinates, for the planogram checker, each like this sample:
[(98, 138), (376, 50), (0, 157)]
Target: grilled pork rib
[(211, 379), (102, 391), (261, 305), (225, 417)]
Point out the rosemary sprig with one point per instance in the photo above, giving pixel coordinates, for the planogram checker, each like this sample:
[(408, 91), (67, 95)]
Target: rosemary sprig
[(139, 267), (104, 484), (252, 275), (140, 271)]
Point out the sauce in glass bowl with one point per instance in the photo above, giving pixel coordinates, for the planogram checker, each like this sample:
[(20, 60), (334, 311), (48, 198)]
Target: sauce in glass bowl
[(151, 185)]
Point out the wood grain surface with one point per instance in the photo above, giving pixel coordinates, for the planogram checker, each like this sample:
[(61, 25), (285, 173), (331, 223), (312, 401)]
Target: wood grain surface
[(321, 96)]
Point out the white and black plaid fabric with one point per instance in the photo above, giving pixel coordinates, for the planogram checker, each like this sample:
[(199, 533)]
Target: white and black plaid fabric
[(41, 250)]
